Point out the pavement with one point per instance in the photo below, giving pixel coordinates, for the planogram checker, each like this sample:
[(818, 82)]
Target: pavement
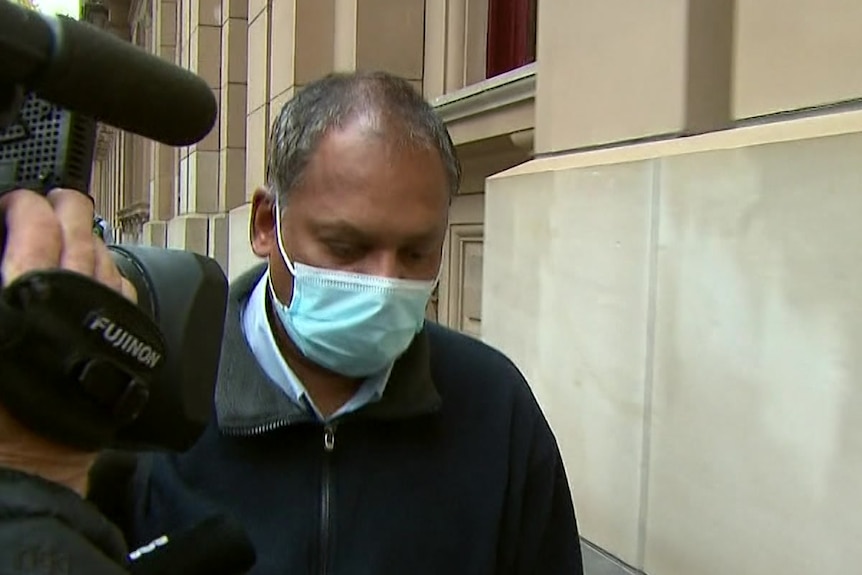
[(597, 562)]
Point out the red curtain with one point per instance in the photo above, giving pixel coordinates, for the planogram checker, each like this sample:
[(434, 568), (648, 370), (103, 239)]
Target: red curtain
[(511, 35)]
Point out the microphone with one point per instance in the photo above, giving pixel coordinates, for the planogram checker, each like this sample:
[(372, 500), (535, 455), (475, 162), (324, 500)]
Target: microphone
[(217, 546), (79, 67)]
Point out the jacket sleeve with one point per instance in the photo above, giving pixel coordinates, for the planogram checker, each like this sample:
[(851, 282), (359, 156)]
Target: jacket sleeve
[(539, 531), (550, 542), (47, 528)]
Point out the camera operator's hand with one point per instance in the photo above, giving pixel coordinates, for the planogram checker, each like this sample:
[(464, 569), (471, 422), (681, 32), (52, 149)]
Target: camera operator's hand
[(49, 233)]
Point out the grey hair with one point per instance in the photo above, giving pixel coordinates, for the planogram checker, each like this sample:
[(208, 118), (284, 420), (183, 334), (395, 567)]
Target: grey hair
[(387, 101)]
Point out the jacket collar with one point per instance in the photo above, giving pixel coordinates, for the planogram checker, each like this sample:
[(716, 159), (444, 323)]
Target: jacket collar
[(248, 403)]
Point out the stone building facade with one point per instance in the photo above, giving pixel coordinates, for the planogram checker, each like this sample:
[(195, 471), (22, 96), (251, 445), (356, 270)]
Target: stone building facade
[(658, 223)]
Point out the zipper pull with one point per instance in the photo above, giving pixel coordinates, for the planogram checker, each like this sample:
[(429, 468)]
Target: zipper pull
[(329, 438)]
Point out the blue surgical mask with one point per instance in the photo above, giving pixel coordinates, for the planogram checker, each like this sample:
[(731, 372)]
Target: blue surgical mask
[(350, 323)]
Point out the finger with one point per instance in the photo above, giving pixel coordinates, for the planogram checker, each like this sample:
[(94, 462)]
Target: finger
[(106, 271), (33, 235), (75, 212), (129, 290)]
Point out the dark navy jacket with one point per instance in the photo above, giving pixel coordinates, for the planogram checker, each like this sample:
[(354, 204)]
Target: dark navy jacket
[(454, 470)]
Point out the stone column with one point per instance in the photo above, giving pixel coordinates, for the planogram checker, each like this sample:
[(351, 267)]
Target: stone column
[(233, 89), (314, 37), (163, 163), (118, 181), (796, 54), (204, 48), (617, 71), (455, 37), (232, 121), (278, 64), (380, 35), (199, 45), (254, 124)]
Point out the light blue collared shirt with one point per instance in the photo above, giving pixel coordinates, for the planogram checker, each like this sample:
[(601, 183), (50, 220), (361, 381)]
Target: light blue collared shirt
[(260, 338)]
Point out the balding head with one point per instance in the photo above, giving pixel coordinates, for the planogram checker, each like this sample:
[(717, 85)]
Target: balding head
[(382, 104)]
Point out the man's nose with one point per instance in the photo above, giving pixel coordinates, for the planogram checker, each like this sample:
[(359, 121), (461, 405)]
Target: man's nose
[(386, 264)]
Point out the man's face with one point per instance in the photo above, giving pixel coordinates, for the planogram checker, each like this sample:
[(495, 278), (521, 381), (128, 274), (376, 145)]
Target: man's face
[(365, 204)]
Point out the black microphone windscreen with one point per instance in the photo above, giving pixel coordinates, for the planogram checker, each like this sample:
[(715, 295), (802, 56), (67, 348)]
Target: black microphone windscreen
[(217, 546), (99, 75)]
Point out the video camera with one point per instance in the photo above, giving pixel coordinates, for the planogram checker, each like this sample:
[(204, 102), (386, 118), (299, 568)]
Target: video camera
[(79, 363)]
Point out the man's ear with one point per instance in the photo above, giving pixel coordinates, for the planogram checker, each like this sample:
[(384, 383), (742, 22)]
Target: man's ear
[(262, 224)]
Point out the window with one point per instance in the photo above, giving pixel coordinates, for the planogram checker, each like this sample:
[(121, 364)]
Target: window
[(511, 35)]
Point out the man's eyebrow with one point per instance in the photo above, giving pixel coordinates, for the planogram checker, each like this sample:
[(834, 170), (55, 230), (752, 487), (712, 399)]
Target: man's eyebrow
[(340, 229)]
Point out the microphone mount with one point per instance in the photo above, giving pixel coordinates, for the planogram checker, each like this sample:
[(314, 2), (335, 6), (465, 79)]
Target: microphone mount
[(11, 100), (43, 146)]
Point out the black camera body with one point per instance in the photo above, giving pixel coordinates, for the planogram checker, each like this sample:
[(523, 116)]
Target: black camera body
[(78, 362), (186, 295)]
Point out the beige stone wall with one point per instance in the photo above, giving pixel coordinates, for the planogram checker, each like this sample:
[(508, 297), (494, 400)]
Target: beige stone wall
[(688, 314), (686, 307)]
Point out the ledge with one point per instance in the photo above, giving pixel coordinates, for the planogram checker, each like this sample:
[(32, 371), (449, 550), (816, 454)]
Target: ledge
[(515, 87), (806, 128)]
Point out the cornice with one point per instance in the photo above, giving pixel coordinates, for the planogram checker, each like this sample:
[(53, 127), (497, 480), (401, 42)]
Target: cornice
[(513, 87)]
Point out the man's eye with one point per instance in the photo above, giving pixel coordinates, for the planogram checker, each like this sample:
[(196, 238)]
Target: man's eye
[(343, 250), (416, 255)]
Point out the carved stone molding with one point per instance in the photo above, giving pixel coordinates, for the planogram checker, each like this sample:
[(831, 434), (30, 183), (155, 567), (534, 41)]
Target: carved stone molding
[(491, 108), (131, 219), (464, 284), (487, 96), (105, 135)]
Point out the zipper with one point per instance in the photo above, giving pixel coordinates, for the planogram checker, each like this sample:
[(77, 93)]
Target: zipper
[(259, 429), (326, 496)]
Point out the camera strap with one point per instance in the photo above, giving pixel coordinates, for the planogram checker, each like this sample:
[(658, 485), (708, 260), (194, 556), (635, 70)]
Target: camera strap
[(77, 359)]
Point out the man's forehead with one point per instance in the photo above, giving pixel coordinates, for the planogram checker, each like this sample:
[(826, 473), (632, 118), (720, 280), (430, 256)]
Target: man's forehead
[(349, 157), (370, 133), (357, 178)]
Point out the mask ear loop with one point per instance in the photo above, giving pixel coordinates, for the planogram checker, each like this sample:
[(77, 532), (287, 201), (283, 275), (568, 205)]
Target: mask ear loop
[(282, 251), (443, 262), (279, 239)]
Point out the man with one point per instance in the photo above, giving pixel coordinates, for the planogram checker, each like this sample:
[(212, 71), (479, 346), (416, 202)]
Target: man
[(45, 526), (350, 436)]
